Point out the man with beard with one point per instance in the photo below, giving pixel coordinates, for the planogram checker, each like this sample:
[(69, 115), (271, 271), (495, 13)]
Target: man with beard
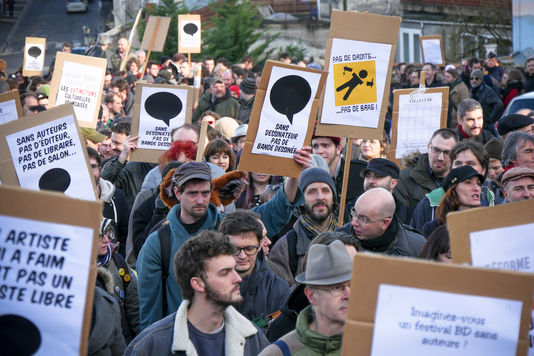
[(471, 122), (217, 99), (159, 294), (377, 227), (264, 293), (425, 172), (206, 322), (286, 258)]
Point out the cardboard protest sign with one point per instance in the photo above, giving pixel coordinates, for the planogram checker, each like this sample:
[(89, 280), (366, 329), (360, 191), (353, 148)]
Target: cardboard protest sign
[(282, 118), (432, 49), (189, 34), (155, 33), (359, 57), (47, 152), (10, 107), (416, 115), (47, 273), (79, 80), (158, 109), (475, 234), (414, 307), (34, 56)]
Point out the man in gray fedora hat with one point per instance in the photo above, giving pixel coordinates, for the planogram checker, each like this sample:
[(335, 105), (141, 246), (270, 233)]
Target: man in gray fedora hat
[(319, 328)]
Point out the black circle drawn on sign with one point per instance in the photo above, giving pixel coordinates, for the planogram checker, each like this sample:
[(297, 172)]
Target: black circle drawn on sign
[(163, 106), (18, 335), (56, 179), (289, 95), (34, 51), (190, 29)]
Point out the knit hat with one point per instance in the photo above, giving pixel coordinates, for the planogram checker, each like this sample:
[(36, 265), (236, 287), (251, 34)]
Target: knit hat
[(313, 175), (460, 174), (45, 89), (494, 148), (226, 126), (248, 85), (477, 73), (513, 122)]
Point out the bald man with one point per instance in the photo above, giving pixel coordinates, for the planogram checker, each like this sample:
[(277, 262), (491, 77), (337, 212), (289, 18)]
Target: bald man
[(377, 227), (119, 55)]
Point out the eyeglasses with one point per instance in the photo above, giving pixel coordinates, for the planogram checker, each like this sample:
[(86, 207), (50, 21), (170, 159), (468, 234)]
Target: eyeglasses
[(362, 218), (438, 151), (475, 78), (94, 166), (335, 290), (249, 250), (109, 234)]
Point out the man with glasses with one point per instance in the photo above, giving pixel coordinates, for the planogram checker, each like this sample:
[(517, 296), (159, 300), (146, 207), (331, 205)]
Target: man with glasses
[(471, 122), (263, 292), (424, 172), (377, 227), (319, 328), (489, 100)]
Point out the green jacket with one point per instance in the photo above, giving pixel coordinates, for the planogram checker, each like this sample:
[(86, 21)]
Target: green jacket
[(305, 342), (225, 106)]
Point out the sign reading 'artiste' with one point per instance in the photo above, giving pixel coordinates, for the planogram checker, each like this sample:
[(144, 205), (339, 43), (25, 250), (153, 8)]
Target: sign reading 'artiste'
[(355, 85)]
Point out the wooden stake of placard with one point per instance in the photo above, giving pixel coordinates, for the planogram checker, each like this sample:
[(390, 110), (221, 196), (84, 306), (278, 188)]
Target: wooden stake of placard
[(345, 183), (33, 207), (371, 271), (420, 119), (202, 139), (152, 41), (10, 107), (365, 67), (130, 39), (34, 56), (432, 49), (155, 35)]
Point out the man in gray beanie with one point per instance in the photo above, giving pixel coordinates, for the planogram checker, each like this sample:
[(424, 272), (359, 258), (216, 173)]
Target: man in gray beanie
[(286, 256), (247, 93)]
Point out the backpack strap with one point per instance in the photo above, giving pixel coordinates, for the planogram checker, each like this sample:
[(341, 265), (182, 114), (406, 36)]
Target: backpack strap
[(292, 250), (283, 347), (164, 234)]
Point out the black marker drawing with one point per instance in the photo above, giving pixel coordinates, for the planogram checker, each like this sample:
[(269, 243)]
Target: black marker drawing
[(190, 29), (34, 51), (289, 95), (56, 179), (18, 335), (354, 81), (163, 106)]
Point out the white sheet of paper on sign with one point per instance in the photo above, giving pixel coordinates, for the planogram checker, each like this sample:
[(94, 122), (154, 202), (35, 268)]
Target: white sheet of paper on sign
[(355, 85), (190, 34), (419, 116), (34, 57), (285, 112), (8, 111), (80, 85), (50, 157), (432, 50), (49, 272), (421, 322), (162, 110)]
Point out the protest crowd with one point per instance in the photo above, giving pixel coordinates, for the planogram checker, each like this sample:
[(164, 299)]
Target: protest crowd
[(200, 258)]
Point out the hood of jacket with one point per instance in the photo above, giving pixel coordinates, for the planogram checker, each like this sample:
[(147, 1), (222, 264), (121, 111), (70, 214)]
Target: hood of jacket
[(410, 159), (107, 189), (319, 343)]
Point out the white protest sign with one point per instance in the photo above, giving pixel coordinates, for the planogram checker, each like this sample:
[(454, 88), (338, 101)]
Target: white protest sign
[(285, 112), (419, 116), (357, 74), (431, 48), (190, 34), (50, 157), (414, 321), (34, 57), (8, 111), (44, 277), (161, 110), (79, 80), (517, 254)]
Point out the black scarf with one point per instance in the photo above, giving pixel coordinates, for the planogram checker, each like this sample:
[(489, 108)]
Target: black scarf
[(383, 242)]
